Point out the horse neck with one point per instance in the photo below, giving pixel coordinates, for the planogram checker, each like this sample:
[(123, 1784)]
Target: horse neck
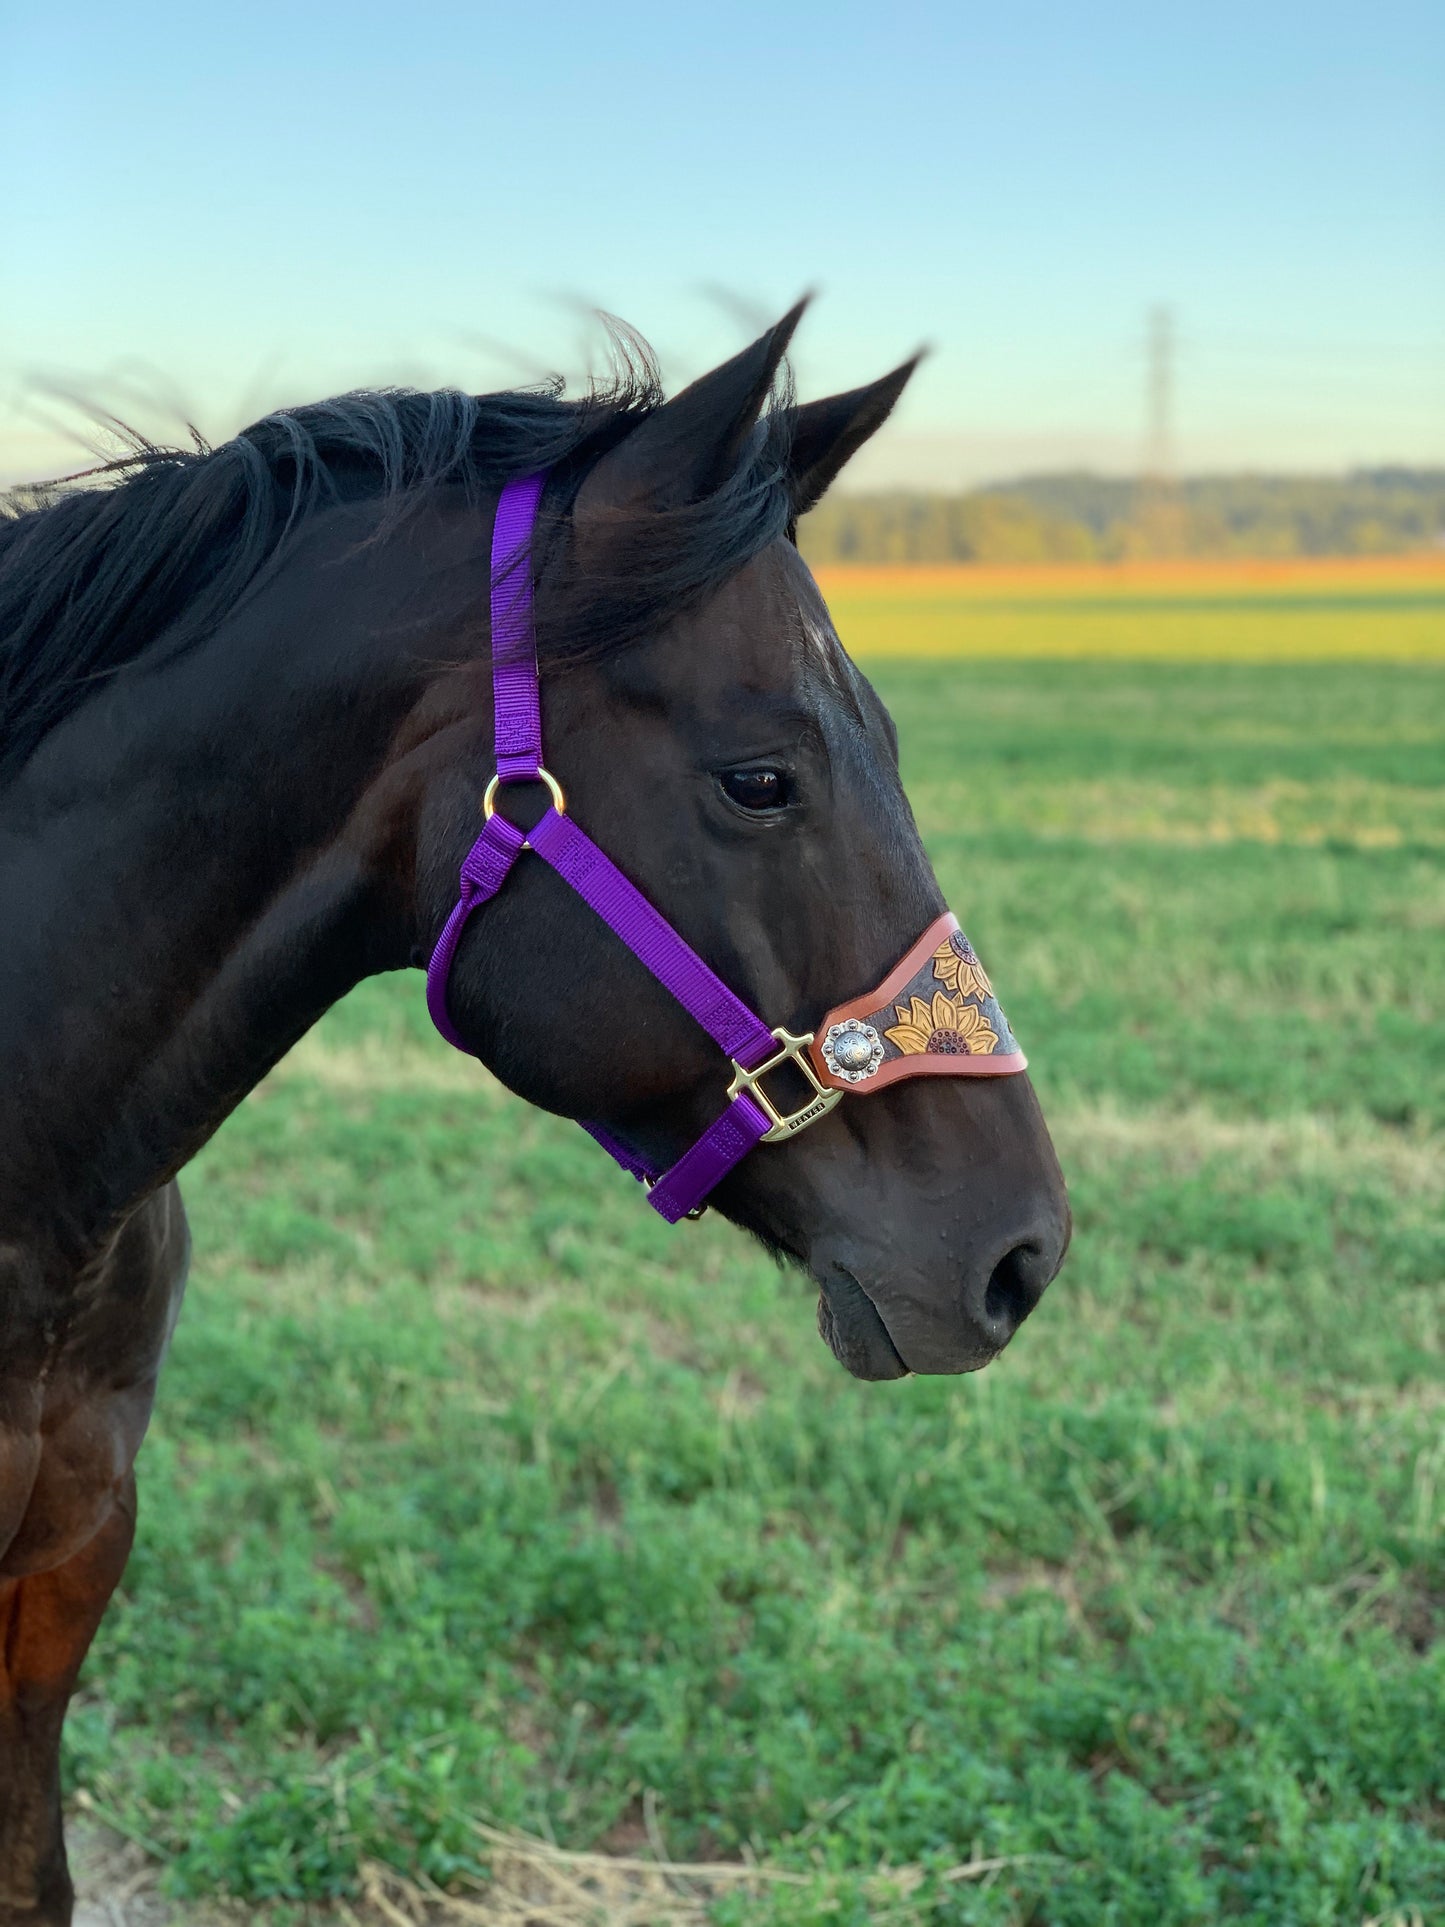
[(200, 861)]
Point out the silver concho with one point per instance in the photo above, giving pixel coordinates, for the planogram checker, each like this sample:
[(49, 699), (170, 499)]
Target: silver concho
[(852, 1050)]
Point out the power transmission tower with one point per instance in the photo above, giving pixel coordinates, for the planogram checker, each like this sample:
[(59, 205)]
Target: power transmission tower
[(1159, 513), (1159, 397)]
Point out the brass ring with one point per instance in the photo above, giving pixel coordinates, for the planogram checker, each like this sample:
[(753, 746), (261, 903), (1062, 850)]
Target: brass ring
[(554, 789)]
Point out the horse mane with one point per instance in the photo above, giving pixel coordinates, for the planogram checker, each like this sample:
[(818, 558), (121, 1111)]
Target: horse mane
[(149, 552)]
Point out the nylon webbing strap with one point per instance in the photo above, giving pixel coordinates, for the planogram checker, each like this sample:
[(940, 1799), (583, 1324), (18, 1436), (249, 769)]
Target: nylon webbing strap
[(515, 683), (698, 1171), (486, 868), (594, 876), (651, 938)]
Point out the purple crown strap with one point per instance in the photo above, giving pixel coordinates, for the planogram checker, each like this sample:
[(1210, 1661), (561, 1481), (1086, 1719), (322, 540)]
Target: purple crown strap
[(650, 937), (514, 643)]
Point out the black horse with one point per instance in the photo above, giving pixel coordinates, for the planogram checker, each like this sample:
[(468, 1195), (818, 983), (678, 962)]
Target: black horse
[(245, 720)]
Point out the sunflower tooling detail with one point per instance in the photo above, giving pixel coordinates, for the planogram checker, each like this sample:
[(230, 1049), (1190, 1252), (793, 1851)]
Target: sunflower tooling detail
[(955, 963), (935, 1014), (946, 1027)]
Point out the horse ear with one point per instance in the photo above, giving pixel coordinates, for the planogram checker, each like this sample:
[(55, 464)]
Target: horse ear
[(826, 434), (691, 445)]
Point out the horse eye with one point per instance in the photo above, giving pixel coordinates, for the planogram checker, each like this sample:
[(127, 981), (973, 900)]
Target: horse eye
[(759, 790)]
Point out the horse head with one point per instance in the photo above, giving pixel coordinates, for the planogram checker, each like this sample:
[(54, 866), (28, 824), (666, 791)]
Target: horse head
[(742, 772)]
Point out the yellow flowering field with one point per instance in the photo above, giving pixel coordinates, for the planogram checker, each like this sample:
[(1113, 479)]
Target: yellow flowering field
[(1294, 609)]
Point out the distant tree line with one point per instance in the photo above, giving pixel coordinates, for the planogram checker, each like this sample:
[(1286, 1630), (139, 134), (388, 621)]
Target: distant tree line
[(1089, 518)]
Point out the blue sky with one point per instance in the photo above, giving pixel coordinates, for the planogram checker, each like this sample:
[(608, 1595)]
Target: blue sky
[(212, 209)]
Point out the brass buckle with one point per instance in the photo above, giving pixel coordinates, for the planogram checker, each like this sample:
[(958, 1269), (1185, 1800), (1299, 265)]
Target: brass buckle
[(783, 1127)]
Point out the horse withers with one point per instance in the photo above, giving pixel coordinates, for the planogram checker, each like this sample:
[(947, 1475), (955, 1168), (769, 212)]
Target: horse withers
[(245, 728)]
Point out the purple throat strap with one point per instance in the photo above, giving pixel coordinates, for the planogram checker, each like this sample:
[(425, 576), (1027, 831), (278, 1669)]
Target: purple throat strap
[(956, 1029)]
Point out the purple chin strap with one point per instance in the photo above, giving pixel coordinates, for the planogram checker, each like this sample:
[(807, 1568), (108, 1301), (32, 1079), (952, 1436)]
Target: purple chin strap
[(949, 1023)]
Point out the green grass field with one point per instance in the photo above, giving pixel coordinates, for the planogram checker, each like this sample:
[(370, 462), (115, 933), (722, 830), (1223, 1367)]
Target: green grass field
[(475, 1493)]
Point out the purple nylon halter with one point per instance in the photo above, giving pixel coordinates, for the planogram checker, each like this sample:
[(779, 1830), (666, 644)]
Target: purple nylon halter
[(948, 1024), (743, 1036)]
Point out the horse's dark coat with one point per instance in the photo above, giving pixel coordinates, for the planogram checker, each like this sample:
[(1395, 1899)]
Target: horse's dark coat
[(246, 723)]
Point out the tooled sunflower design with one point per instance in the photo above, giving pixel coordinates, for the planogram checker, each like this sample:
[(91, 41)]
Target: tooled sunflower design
[(955, 963), (943, 1028)]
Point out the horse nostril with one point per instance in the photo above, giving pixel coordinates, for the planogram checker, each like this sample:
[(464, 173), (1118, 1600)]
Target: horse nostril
[(1017, 1284)]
